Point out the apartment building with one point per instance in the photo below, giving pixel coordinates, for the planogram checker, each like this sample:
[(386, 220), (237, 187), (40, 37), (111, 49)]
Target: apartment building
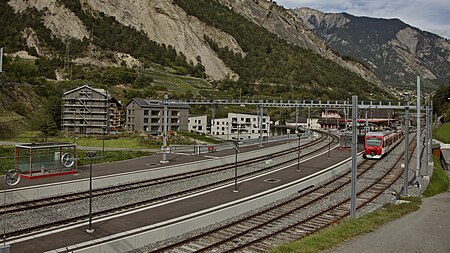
[(198, 124), (146, 115), (240, 127), (86, 110)]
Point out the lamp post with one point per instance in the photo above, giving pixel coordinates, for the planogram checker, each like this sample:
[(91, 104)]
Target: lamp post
[(300, 132), (103, 140), (299, 151), (164, 147), (12, 177), (236, 148), (90, 154), (329, 143)]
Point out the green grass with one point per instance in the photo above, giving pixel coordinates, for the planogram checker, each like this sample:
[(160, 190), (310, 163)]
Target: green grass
[(111, 156), (199, 137), (443, 133), (439, 182), (348, 229), (9, 116)]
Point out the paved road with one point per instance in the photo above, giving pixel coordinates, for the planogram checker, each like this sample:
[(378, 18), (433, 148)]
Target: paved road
[(427, 230)]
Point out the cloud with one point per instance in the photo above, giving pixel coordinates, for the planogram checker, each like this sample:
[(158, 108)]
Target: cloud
[(431, 15)]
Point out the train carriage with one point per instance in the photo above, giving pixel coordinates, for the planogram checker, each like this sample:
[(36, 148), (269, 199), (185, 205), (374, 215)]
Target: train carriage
[(377, 144)]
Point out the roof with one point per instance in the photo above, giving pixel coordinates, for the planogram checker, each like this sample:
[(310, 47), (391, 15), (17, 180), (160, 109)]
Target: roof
[(101, 91), (153, 103), (446, 155), (45, 145)]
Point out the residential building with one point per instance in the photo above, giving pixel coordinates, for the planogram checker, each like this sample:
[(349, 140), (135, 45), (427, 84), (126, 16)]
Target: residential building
[(198, 124), (146, 115), (240, 127), (86, 110)]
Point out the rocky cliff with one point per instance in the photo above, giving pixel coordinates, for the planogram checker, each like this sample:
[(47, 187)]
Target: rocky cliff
[(395, 51), (288, 26), (162, 21)]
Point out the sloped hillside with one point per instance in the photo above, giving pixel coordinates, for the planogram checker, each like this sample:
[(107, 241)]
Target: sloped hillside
[(395, 51)]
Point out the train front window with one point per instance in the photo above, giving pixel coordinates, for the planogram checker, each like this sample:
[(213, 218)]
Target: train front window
[(372, 141)]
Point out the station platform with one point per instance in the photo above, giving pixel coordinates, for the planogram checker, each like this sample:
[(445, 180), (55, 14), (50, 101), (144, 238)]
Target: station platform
[(153, 161), (62, 241)]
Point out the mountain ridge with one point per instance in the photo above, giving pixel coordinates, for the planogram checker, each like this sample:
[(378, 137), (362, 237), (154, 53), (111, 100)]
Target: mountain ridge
[(394, 50)]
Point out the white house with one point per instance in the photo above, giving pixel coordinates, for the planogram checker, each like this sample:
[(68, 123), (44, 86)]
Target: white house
[(240, 127), (198, 124)]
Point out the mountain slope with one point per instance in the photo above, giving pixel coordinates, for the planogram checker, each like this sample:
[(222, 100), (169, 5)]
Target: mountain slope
[(287, 26), (395, 51)]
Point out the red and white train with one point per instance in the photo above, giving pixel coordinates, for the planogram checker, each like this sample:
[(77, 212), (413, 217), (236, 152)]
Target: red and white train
[(377, 144)]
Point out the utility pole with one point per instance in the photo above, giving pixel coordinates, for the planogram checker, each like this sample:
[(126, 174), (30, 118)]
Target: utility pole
[(427, 135), (164, 147), (261, 115), (354, 156), (406, 155), (418, 132), (1, 59)]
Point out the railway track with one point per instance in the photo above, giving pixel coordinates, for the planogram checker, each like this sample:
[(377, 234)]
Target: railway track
[(292, 219), (27, 206)]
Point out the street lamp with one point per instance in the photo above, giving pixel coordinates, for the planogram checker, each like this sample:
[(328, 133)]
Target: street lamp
[(329, 143), (12, 177), (90, 154), (236, 148), (103, 139), (300, 132)]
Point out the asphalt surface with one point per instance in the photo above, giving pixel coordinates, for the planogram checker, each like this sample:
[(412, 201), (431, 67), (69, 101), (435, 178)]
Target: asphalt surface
[(426, 230)]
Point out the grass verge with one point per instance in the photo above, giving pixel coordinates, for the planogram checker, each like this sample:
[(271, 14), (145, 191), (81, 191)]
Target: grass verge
[(439, 181), (443, 133), (349, 229), (111, 156)]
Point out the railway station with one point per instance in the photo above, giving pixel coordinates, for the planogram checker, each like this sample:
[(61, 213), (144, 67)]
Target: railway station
[(252, 174)]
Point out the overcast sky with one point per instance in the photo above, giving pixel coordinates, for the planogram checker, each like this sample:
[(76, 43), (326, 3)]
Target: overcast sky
[(428, 15)]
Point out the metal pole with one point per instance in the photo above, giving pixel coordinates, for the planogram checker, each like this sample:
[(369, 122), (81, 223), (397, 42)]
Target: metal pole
[(1, 59), (298, 152), (427, 136), (4, 219), (367, 124), (296, 119), (354, 157), (309, 117), (431, 132), (90, 155), (261, 115), (405, 172), (329, 144), (164, 147), (75, 123), (418, 131), (235, 165), (103, 142)]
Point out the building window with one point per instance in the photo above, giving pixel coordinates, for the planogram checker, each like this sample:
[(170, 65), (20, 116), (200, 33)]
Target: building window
[(155, 121), (145, 120), (145, 112), (174, 121), (175, 113), (200, 128), (155, 113)]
